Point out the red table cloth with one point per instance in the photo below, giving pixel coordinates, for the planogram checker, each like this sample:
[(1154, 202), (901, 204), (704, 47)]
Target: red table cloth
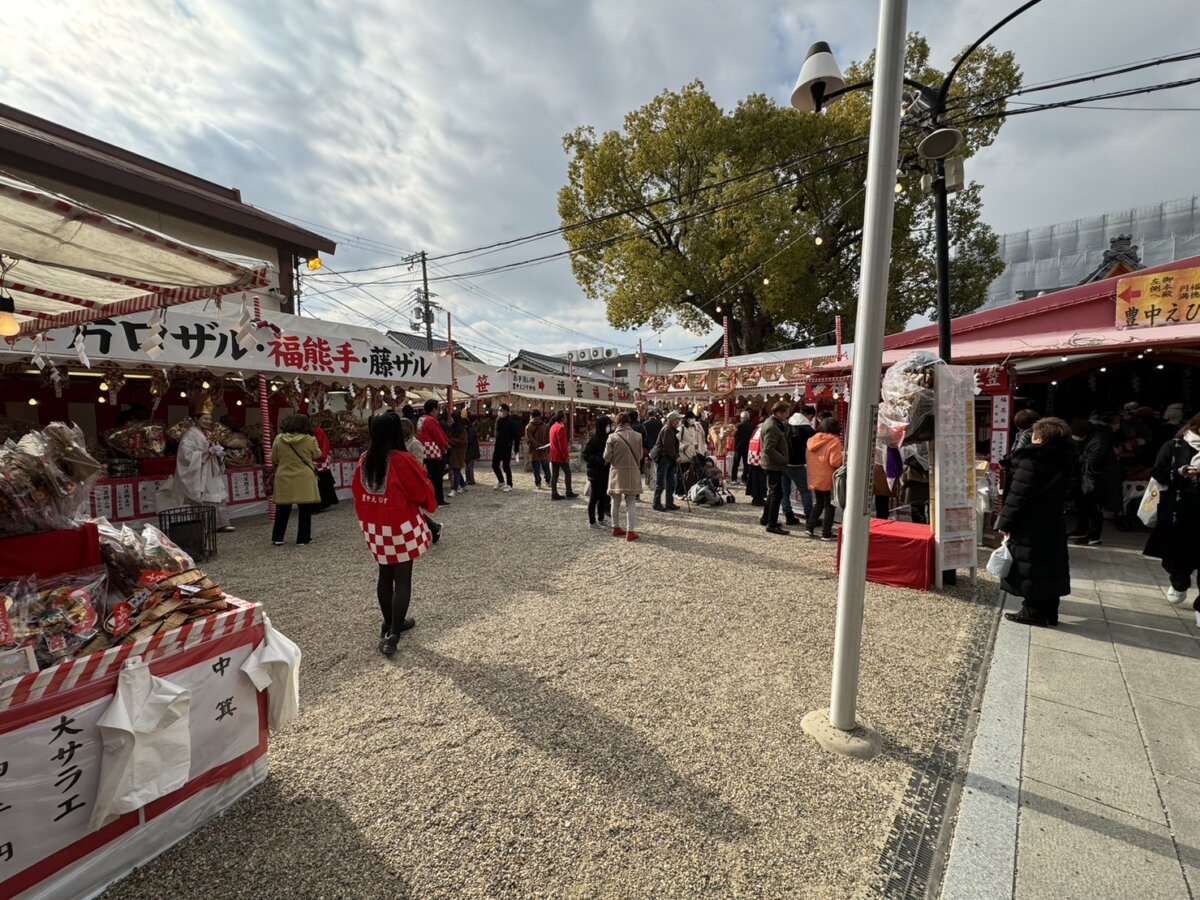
[(900, 554), (50, 553)]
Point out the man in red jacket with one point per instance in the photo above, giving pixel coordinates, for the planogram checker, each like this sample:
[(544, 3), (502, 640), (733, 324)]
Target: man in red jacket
[(560, 457), (434, 442)]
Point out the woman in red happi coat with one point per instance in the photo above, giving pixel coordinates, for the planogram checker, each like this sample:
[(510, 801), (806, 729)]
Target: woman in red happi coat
[(390, 491)]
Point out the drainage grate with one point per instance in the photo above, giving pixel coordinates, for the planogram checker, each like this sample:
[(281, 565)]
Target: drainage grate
[(911, 862)]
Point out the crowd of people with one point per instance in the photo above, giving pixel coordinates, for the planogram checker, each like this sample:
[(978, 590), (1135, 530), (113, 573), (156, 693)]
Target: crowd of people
[(788, 461), (1055, 466)]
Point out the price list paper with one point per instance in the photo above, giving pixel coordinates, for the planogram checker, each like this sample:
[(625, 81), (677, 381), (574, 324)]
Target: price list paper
[(954, 468)]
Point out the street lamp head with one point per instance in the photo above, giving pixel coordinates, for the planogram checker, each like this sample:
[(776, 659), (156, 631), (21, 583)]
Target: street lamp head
[(940, 143), (819, 77)]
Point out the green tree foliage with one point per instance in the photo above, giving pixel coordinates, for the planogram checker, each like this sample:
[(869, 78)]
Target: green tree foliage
[(776, 181)]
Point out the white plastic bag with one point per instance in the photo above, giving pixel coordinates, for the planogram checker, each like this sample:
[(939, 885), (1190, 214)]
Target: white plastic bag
[(274, 667), (1001, 560), (1148, 508)]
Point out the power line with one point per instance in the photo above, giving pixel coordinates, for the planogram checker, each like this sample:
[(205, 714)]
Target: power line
[(1111, 95), (650, 204)]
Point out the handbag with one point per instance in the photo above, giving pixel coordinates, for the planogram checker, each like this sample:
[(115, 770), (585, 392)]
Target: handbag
[(1148, 508), (1001, 560), (269, 481)]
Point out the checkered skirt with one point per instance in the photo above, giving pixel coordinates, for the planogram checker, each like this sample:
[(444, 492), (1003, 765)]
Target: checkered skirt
[(390, 544)]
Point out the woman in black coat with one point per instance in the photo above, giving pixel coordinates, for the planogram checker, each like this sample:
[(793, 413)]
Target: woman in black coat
[(1176, 537), (597, 473), (1099, 486), (1034, 521)]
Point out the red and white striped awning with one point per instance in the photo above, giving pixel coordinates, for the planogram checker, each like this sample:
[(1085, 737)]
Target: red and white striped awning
[(66, 263)]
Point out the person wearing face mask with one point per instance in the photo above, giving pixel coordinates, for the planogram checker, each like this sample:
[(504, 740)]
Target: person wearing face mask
[(597, 472), (508, 438), (1176, 537)]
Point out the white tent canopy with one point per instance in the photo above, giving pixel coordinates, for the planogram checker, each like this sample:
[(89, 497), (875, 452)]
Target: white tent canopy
[(66, 264)]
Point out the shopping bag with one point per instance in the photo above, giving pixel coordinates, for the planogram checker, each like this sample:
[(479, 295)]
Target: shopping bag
[(1001, 560), (1148, 508)]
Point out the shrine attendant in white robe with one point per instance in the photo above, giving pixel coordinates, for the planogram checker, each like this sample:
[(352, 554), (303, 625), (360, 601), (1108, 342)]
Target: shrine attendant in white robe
[(200, 470)]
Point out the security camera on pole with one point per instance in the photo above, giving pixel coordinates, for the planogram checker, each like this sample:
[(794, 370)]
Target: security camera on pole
[(836, 728)]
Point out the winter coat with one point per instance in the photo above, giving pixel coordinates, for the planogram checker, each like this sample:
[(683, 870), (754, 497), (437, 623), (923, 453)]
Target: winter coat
[(799, 430), (508, 436), (560, 452), (1035, 519), (623, 452), (651, 427), (668, 445), (432, 437), (881, 485), (593, 457), (915, 483), (742, 435), (693, 440), (473, 452), (325, 449), (774, 446), (826, 453), (295, 458), (537, 436), (457, 444), (1175, 540), (390, 514), (1100, 472)]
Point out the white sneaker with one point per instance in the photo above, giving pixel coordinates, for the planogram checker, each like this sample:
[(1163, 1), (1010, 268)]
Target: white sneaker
[(1176, 597), (498, 487), (506, 488), (451, 494)]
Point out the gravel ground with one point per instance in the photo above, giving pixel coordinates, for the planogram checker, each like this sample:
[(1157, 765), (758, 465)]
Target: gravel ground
[(573, 716)]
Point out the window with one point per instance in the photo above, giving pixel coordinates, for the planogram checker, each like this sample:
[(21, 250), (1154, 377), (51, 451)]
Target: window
[(620, 373)]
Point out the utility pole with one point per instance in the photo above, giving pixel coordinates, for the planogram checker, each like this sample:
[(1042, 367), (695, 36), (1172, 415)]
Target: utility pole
[(425, 300)]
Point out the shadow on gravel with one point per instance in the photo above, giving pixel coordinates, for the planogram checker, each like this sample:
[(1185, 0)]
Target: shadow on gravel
[(289, 846), (583, 736)]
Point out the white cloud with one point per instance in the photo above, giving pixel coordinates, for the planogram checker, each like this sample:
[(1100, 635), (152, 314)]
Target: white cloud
[(438, 126)]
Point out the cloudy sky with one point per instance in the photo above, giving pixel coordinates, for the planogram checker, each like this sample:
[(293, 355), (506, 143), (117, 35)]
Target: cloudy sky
[(398, 125)]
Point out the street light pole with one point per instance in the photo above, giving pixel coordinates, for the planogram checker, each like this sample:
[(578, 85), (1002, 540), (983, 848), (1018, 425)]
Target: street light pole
[(837, 728), (941, 230)]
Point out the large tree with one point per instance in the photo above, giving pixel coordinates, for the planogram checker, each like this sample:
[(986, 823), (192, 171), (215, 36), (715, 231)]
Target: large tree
[(692, 213)]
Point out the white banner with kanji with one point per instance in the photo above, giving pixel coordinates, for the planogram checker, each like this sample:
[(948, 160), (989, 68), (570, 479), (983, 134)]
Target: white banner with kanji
[(310, 349)]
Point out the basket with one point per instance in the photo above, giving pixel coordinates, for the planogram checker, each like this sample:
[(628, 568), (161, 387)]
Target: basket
[(193, 528)]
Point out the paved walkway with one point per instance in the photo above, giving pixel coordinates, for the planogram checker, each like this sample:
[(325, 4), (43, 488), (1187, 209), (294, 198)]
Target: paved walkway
[(1084, 778)]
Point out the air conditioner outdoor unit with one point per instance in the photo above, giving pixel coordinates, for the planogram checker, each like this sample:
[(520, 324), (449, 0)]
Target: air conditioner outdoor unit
[(596, 353), (581, 354), (611, 353)]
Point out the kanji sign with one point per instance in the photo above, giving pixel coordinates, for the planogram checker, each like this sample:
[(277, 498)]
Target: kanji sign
[(288, 345), (1164, 298)]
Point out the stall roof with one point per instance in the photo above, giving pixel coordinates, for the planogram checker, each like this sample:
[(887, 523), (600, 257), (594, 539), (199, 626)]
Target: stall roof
[(1075, 322), (758, 359), (67, 264)]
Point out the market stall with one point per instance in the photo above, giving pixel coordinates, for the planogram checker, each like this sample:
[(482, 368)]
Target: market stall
[(1123, 352), (134, 407), (135, 694)]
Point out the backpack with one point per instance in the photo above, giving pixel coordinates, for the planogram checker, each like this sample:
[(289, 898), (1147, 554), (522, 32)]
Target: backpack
[(839, 487)]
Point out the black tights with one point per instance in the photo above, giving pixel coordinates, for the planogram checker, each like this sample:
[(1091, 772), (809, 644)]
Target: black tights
[(394, 592)]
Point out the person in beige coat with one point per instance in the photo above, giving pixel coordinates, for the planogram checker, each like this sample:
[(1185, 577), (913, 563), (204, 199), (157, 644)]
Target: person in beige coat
[(623, 453)]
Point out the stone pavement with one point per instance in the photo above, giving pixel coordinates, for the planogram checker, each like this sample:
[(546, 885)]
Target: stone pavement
[(1084, 777)]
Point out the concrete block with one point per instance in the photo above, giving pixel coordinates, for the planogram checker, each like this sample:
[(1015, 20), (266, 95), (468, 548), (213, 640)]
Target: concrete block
[(1081, 681), (1095, 756), (1172, 732), (1070, 846)]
